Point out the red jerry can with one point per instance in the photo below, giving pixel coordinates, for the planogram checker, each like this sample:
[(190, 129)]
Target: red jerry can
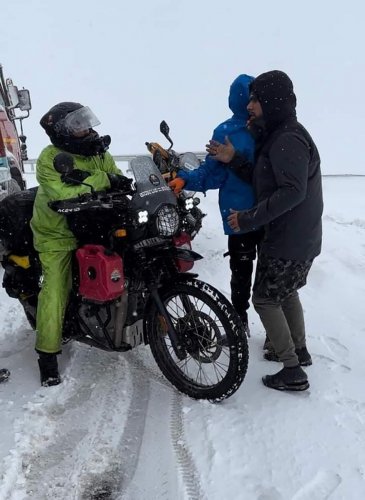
[(101, 273)]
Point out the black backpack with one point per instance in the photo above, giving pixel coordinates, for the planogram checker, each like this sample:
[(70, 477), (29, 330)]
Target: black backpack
[(16, 211)]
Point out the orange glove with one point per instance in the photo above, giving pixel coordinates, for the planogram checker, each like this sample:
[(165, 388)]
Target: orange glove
[(177, 185)]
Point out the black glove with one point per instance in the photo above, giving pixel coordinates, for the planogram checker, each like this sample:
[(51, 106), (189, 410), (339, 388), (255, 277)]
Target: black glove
[(75, 177), (121, 182)]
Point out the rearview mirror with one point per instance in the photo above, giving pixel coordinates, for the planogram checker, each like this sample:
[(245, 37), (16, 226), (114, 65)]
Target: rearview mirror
[(165, 129), (13, 96), (24, 100), (63, 163)]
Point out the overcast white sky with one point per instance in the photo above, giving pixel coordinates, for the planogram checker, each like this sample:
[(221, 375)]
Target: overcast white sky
[(135, 63)]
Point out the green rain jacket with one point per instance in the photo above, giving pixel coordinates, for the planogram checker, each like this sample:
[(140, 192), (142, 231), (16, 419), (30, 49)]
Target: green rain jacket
[(50, 229)]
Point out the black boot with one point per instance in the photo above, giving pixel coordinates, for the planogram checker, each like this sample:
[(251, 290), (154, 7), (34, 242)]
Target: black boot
[(288, 379), (4, 374), (48, 367), (303, 355), (271, 355), (267, 344)]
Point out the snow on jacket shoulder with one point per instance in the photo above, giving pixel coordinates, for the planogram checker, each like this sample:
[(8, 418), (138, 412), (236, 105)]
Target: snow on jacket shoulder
[(50, 229), (212, 174)]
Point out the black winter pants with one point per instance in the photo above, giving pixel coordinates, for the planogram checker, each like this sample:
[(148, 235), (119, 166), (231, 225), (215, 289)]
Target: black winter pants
[(242, 249)]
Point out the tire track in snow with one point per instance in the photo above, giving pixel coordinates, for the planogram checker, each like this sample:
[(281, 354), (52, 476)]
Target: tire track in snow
[(95, 428), (115, 480), (184, 458), (85, 422), (174, 451)]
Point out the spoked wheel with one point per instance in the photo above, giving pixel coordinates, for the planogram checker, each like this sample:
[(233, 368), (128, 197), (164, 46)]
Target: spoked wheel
[(212, 338)]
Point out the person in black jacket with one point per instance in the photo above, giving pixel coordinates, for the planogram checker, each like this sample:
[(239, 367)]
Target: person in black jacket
[(287, 182)]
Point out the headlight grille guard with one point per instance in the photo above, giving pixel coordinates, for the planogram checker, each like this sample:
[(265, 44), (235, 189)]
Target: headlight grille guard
[(167, 221)]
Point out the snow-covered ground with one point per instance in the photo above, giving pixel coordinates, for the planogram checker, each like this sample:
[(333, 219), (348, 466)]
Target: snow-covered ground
[(116, 429)]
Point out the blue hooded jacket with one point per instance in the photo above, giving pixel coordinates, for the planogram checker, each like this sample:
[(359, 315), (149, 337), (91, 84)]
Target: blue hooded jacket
[(212, 174)]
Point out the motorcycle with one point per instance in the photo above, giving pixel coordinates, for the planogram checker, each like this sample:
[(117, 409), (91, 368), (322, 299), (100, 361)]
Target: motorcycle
[(131, 284)]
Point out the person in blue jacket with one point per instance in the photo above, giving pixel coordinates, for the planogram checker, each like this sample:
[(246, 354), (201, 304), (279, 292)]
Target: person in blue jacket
[(233, 192)]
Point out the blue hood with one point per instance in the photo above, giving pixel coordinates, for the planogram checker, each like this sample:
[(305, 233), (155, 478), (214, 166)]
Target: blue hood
[(238, 96)]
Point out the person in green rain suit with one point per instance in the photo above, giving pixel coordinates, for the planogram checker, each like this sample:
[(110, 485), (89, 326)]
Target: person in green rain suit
[(69, 126)]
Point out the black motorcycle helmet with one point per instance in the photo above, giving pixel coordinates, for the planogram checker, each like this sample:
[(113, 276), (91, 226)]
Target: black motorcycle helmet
[(62, 122)]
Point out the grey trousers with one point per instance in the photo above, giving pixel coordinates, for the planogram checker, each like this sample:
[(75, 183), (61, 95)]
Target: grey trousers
[(284, 324)]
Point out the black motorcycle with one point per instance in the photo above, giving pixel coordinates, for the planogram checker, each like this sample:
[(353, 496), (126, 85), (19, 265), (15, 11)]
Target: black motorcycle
[(131, 283)]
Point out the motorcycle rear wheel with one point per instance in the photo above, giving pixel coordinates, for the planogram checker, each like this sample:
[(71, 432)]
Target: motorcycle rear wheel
[(212, 335)]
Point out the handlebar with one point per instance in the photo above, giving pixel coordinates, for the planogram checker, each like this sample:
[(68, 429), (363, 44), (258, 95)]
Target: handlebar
[(90, 201)]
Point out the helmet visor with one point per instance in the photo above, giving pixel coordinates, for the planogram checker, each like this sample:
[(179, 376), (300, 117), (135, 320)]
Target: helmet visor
[(79, 120)]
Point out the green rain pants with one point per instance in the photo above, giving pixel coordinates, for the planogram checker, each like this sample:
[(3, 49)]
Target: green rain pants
[(52, 299)]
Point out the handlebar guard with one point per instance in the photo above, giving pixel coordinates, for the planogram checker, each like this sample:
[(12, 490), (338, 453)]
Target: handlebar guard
[(89, 201)]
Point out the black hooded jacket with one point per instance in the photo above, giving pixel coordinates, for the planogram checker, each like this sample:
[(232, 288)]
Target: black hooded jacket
[(286, 178)]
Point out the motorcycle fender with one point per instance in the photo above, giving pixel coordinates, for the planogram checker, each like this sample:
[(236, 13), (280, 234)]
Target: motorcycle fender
[(185, 254)]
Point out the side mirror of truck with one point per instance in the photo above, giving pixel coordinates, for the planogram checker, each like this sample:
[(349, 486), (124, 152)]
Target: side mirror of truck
[(13, 95), (24, 101), (19, 98)]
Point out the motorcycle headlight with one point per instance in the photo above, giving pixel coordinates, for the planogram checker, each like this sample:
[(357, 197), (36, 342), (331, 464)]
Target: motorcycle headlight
[(142, 216), (167, 221), (189, 203)]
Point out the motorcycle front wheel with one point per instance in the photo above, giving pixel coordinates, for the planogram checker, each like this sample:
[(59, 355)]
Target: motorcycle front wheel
[(214, 344)]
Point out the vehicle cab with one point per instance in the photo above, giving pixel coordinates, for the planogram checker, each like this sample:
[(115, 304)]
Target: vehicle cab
[(14, 106)]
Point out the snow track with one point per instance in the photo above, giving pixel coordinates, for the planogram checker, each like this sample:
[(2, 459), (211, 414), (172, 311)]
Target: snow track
[(82, 422), (184, 458), (95, 436), (173, 473)]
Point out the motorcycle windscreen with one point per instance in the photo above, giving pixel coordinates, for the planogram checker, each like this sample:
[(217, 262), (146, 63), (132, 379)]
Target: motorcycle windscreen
[(152, 190)]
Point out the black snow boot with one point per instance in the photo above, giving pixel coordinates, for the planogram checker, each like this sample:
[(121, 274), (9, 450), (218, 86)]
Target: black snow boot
[(271, 355), (4, 374), (303, 355), (267, 344), (288, 379), (48, 367)]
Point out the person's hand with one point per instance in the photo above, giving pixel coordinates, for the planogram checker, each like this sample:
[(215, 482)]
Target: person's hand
[(221, 152), (233, 220), (177, 185), (75, 177), (121, 182)]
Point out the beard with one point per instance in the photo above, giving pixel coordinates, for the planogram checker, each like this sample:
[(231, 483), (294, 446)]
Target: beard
[(256, 127)]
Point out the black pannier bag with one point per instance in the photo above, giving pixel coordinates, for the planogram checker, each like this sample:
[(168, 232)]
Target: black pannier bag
[(16, 211)]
